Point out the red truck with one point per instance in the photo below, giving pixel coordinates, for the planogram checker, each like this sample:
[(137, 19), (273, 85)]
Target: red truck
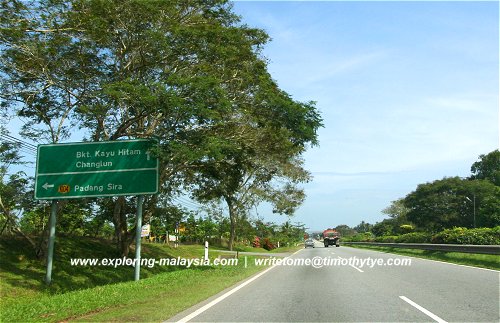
[(331, 237)]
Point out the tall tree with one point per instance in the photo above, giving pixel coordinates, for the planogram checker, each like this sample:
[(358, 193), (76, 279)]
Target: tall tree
[(128, 69), (14, 189), (450, 202), (45, 70), (186, 73), (259, 163), (397, 210), (488, 167), (363, 227), (345, 230)]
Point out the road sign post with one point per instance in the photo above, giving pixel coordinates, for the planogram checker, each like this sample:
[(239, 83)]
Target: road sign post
[(95, 169), (138, 230), (52, 237)]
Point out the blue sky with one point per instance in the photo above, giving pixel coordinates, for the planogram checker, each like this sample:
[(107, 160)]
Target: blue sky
[(409, 93)]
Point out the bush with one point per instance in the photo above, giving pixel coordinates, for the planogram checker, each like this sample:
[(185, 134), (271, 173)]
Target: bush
[(387, 239), (267, 244), (414, 237), (240, 246), (481, 236), (256, 242), (360, 237), (406, 228)]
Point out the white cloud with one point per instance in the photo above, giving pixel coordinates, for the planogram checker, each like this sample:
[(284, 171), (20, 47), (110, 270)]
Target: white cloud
[(402, 102), (326, 67)]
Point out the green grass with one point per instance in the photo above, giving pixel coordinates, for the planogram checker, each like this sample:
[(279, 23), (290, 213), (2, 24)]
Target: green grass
[(470, 259), (23, 274), (106, 293), (151, 299), (262, 250)]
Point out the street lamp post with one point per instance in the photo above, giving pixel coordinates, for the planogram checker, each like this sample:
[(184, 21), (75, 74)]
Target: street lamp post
[(474, 211)]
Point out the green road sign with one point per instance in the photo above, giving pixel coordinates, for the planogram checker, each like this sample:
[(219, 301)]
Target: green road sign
[(96, 169)]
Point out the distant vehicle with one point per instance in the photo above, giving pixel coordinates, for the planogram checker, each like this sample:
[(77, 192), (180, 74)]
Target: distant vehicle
[(309, 243), (331, 237)]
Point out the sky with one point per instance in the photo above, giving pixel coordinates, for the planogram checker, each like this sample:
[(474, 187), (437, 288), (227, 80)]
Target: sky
[(408, 92)]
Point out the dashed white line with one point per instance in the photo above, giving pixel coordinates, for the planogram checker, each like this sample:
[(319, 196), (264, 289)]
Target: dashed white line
[(357, 269), (423, 310), (361, 271)]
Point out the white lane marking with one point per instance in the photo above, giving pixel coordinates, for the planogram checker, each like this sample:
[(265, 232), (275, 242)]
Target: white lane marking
[(450, 263), (441, 262), (229, 293), (353, 266), (357, 269), (423, 310), (333, 253), (220, 298)]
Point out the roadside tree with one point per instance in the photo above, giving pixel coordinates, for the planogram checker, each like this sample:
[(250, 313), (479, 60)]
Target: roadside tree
[(186, 73)]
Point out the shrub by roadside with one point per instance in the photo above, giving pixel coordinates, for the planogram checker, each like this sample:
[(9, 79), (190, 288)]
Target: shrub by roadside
[(360, 237), (387, 239), (414, 237), (480, 236)]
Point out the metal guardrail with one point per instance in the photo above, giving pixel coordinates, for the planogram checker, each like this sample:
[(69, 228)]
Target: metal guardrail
[(484, 249)]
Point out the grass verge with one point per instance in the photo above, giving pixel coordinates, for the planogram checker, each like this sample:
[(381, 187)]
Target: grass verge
[(262, 250), (470, 259), (80, 293), (151, 299)]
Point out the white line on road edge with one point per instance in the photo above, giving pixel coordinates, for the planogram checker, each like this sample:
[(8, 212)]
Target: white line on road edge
[(450, 263), (220, 298), (442, 262), (423, 310), (229, 293)]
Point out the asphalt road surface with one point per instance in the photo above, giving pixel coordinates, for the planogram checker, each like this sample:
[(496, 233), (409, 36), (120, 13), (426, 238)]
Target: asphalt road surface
[(424, 291)]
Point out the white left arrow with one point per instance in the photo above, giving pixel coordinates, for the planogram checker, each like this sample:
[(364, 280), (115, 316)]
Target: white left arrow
[(47, 186)]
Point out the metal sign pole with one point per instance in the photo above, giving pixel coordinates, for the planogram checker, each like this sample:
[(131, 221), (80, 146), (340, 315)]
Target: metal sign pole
[(52, 236), (176, 244), (138, 230)]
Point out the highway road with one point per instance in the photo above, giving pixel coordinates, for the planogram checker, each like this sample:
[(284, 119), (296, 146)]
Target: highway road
[(424, 291)]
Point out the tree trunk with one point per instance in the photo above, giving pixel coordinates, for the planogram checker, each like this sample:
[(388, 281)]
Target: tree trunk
[(121, 228), (232, 219), (38, 250)]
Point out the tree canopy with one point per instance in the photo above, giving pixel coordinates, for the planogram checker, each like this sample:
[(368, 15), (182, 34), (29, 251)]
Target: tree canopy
[(188, 74), (447, 203), (487, 167), (451, 201)]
